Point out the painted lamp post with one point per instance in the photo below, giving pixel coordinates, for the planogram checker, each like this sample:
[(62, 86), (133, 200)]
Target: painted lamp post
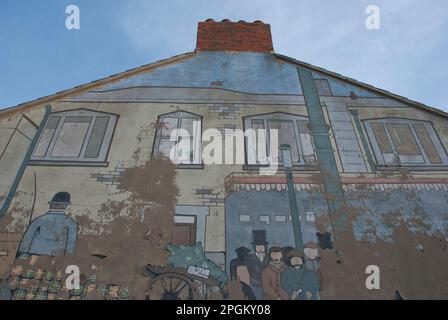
[(285, 150)]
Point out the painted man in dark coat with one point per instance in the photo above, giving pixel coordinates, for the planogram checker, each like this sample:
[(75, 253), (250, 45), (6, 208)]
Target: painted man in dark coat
[(257, 262)]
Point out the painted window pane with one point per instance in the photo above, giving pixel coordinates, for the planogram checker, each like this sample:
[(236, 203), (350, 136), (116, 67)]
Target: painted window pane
[(257, 124), (169, 124), (71, 137), (427, 144), (306, 140), (310, 216), (244, 218), (260, 148), (184, 219), (184, 154), (76, 136), (291, 129), (286, 135), (280, 219), (187, 124), (96, 138), (47, 135), (381, 138), (165, 147), (187, 151), (264, 219), (403, 139)]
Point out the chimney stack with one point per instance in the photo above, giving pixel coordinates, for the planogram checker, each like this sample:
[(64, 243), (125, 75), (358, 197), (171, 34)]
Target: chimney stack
[(234, 36)]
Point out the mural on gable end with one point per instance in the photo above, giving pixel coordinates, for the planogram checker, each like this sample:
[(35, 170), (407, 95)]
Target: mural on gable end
[(99, 180)]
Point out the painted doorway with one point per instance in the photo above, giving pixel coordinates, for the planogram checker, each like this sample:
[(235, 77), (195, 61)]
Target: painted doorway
[(184, 231)]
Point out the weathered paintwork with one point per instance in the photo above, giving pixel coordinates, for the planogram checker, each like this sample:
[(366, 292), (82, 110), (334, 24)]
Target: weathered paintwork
[(390, 212), (256, 73)]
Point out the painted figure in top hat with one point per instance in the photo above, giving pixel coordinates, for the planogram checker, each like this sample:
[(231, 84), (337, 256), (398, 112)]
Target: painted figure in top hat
[(257, 261), (53, 233)]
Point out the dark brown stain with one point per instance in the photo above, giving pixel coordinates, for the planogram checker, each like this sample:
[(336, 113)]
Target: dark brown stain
[(414, 273), (116, 249)]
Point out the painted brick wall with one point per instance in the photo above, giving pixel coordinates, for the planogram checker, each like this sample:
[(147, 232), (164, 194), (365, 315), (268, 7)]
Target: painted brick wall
[(234, 36), (210, 198)]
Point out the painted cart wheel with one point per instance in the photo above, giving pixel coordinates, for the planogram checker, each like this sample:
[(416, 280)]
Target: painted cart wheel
[(171, 286)]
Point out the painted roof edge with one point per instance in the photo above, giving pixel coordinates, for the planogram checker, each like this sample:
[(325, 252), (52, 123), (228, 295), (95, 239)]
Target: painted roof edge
[(96, 83), (176, 58), (364, 85)]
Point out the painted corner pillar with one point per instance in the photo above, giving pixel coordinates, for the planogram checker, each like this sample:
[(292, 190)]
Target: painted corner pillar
[(324, 151), (21, 170), (364, 142)]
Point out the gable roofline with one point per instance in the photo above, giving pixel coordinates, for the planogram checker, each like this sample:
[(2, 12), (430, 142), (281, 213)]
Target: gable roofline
[(364, 85), (96, 83), (180, 57)]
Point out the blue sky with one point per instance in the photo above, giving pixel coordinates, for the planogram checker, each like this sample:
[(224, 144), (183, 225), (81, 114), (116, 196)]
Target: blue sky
[(408, 55)]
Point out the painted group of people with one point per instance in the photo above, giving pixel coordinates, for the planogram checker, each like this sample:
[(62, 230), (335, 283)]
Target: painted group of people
[(280, 273)]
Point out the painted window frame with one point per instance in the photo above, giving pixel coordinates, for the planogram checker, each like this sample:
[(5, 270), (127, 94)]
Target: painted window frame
[(323, 87), (279, 218), (264, 219), (250, 141), (310, 216), (196, 137), (82, 159), (248, 221), (379, 156)]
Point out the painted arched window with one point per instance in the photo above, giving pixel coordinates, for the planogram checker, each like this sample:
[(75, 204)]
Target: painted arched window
[(292, 130), (79, 136), (404, 142), (169, 134)]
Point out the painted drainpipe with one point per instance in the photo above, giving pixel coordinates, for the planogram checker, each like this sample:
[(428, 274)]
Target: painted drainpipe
[(287, 164), (324, 151), (22, 168)]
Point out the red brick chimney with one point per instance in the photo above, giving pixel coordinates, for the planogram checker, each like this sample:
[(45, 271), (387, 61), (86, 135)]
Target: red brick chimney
[(234, 36)]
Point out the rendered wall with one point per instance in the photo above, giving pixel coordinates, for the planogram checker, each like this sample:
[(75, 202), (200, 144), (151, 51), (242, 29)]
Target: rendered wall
[(229, 87)]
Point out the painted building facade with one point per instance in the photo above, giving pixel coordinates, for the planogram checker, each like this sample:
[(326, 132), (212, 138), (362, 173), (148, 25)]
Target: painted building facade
[(84, 180)]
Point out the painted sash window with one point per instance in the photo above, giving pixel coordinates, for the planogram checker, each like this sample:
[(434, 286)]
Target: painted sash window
[(292, 130), (169, 134), (280, 219), (405, 142), (76, 136), (244, 217)]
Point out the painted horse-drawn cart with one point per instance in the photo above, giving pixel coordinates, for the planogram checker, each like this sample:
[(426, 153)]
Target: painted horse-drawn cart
[(189, 275)]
